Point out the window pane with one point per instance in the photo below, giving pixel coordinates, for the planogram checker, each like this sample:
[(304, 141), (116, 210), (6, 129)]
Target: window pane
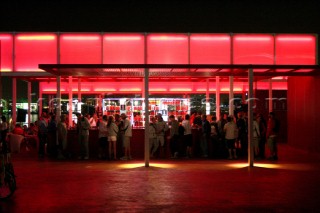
[(34, 49), (167, 49), (80, 49)]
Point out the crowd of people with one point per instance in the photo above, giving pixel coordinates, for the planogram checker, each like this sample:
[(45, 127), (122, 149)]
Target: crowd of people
[(223, 138)]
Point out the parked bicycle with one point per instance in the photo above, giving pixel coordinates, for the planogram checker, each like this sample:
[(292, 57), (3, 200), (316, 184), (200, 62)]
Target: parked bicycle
[(7, 177)]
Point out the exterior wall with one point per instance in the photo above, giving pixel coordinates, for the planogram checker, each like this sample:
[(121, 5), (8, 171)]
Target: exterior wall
[(303, 113)]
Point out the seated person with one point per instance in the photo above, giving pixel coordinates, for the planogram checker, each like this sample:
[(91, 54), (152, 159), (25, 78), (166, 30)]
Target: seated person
[(18, 130)]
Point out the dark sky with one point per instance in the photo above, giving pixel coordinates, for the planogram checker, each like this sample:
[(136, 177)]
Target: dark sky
[(281, 16)]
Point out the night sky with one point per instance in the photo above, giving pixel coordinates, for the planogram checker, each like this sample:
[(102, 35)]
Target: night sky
[(243, 16)]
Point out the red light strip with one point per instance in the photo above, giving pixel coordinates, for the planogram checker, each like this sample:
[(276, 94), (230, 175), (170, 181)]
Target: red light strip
[(167, 38), (123, 38), (209, 38), (81, 38)]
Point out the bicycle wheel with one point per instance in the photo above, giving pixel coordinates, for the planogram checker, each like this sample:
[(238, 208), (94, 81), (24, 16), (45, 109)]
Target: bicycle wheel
[(8, 187)]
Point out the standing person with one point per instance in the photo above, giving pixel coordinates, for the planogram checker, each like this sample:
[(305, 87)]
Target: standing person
[(214, 137), (263, 130), (205, 135), (222, 121), (256, 136), (4, 131), (152, 134), (242, 133), (83, 126), (103, 137), (127, 134), (272, 131), (52, 136), (161, 128), (113, 131), (62, 137), (42, 134), (187, 135), (93, 120), (118, 121), (230, 130), (174, 136)]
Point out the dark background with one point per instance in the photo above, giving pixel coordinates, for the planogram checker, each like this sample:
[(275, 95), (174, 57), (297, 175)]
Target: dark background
[(238, 16)]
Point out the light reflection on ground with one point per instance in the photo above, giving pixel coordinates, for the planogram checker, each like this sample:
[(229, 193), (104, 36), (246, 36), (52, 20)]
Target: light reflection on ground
[(137, 165)]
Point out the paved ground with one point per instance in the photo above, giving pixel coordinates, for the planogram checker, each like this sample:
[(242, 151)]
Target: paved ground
[(290, 185)]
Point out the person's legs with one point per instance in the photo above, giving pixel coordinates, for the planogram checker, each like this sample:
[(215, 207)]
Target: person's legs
[(204, 145), (86, 146), (114, 143), (110, 151), (155, 146)]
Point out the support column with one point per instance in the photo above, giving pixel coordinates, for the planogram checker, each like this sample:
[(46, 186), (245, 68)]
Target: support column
[(58, 97), (208, 98), (146, 129), (270, 96), (79, 90), (70, 101), (40, 101), (218, 97), (29, 103), (250, 118), (14, 100), (231, 96)]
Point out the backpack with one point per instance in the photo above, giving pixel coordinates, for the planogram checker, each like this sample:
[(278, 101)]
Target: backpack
[(276, 128)]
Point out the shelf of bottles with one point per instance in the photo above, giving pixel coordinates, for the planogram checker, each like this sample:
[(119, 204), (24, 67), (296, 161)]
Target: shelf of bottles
[(134, 108)]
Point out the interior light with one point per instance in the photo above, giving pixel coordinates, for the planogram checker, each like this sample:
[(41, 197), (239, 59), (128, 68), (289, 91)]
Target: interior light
[(81, 38), (36, 38), (251, 38), (138, 165), (6, 70), (5, 37), (105, 89), (53, 90), (158, 90), (123, 38), (295, 39), (130, 90), (210, 38), (168, 38), (180, 89)]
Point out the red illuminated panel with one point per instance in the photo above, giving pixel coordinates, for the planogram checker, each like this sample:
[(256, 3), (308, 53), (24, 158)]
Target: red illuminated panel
[(210, 49), (295, 49), (123, 49), (253, 49), (80, 49), (34, 49), (167, 49), (6, 52)]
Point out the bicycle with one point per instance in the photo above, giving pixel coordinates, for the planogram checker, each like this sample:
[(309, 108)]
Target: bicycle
[(7, 177)]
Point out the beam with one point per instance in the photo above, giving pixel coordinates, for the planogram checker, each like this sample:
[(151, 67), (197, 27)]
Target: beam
[(146, 130), (250, 118)]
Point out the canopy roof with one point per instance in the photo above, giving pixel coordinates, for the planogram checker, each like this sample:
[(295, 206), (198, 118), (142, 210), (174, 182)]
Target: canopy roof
[(178, 70)]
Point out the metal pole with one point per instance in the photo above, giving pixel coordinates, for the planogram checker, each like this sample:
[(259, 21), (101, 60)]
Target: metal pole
[(218, 97), (14, 100), (270, 96), (146, 129), (58, 107), (250, 118), (208, 98), (231, 96), (79, 89), (29, 103), (70, 101)]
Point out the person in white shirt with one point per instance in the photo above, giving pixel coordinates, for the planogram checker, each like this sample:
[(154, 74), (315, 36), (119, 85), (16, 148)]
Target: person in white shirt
[(187, 135), (230, 130), (127, 134)]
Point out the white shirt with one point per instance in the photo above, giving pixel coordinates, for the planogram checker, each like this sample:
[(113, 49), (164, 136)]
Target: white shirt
[(187, 127), (127, 127), (103, 129), (256, 130), (230, 129)]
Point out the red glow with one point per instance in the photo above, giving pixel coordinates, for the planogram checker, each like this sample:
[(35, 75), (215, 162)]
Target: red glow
[(253, 49), (295, 49), (80, 49), (209, 49), (123, 49), (167, 49), (6, 52), (34, 49)]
